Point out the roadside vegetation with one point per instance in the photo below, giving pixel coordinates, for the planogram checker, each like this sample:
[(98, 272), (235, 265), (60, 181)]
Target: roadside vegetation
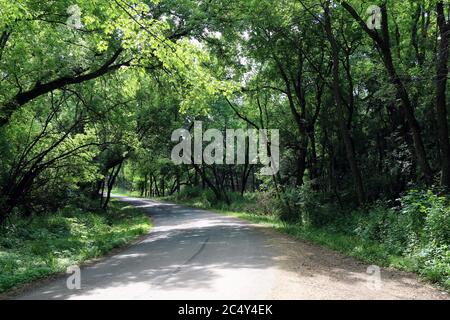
[(31, 249), (90, 95)]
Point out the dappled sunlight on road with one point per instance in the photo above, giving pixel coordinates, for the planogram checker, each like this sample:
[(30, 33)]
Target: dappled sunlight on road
[(195, 254)]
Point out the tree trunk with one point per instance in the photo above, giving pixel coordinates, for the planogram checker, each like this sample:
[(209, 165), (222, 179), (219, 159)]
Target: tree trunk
[(383, 44), (111, 181), (178, 181), (350, 153), (245, 176), (151, 191), (441, 97), (313, 161)]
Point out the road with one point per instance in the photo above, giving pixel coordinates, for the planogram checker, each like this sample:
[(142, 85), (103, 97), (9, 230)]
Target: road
[(196, 254)]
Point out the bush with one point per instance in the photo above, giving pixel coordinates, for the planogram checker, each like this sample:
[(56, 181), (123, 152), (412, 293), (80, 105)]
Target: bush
[(208, 198), (260, 203), (306, 206), (437, 221), (190, 193), (425, 218), (383, 225), (434, 263), (419, 229)]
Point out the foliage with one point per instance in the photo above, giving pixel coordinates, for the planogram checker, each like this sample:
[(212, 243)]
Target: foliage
[(362, 115), (30, 250), (419, 229)]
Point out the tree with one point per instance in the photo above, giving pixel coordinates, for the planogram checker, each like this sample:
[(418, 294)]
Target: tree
[(441, 95), (383, 43), (337, 97)]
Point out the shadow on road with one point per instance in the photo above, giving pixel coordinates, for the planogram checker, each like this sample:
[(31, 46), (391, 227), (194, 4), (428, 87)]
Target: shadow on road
[(192, 254)]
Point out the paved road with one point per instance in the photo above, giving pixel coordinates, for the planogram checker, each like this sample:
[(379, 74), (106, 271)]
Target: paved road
[(195, 254)]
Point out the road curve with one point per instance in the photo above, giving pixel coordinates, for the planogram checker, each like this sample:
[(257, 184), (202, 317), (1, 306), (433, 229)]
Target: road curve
[(196, 254)]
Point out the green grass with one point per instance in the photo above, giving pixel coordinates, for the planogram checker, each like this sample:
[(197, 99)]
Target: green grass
[(125, 193), (37, 248)]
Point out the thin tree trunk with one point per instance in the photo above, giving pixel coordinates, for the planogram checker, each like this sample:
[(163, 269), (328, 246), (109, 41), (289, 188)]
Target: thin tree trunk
[(340, 112), (245, 176), (152, 192), (313, 161), (383, 44), (441, 97), (178, 181), (111, 181), (155, 182)]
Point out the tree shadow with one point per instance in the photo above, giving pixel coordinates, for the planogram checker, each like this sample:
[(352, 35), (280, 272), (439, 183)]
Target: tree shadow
[(192, 253)]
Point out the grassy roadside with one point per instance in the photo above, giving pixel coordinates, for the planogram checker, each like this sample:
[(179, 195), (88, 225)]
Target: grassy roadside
[(364, 250), (47, 245), (125, 193)]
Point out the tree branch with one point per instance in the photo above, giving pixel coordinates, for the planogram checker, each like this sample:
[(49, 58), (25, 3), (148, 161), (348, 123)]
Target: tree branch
[(24, 97)]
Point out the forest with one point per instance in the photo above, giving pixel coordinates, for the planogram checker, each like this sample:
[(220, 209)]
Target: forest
[(92, 90)]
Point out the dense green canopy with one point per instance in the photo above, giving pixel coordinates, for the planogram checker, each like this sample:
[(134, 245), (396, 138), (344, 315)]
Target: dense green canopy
[(91, 91)]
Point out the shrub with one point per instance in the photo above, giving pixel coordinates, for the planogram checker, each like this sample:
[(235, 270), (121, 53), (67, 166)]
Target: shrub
[(433, 262), (289, 205), (383, 225), (190, 192), (306, 206), (208, 198), (419, 229), (260, 203), (437, 221), (425, 217)]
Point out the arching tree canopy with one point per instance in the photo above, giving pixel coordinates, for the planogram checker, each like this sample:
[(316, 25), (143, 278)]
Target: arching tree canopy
[(91, 91)]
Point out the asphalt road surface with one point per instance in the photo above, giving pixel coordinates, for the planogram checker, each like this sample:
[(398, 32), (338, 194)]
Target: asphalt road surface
[(196, 254)]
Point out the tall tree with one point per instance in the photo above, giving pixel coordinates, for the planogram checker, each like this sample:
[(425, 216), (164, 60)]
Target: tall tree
[(441, 96), (383, 43), (346, 136)]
